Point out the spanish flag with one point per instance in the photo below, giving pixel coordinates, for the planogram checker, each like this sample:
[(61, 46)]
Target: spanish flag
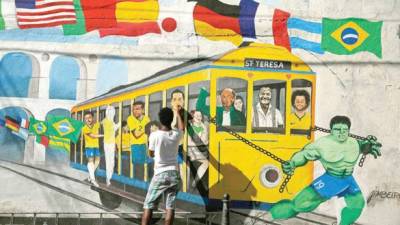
[(134, 18), (219, 21)]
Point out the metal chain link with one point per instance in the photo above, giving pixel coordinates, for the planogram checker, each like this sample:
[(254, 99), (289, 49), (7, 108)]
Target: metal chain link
[(258, 148), (364, 155)]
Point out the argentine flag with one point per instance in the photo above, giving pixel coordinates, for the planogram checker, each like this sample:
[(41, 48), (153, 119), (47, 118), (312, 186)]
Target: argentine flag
[(305, 34)]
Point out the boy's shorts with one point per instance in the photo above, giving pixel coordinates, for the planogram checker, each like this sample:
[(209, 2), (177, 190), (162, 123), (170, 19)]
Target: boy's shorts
[(92, 152), (167, 183)]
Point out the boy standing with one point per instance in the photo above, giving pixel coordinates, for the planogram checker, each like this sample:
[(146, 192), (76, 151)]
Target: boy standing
[(163, 146), (91, 135)]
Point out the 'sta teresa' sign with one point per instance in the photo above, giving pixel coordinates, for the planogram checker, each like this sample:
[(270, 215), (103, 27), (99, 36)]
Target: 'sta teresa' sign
[(267, 64)]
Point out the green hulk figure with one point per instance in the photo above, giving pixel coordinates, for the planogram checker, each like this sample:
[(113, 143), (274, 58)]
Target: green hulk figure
[(338, 154)]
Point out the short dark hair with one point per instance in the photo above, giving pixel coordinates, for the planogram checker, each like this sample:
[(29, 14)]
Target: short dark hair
[(177, 91), (301, 93), (340, 119), (88, 113), (139, 103), (166, 116)]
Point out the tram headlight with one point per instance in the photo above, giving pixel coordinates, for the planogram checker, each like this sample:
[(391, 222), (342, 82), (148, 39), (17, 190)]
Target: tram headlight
[(270, 176)]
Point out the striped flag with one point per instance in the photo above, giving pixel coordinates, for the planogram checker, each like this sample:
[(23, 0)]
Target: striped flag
[(44, 13), (291, 32), (12, 124), (219, 21), (134, 18), (24, 123)]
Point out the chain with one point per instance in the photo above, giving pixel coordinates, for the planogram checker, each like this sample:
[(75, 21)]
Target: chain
[(364, 155), (258, 148)]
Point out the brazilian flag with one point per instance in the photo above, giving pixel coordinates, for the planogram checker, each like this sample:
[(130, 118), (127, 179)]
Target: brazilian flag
[(64, 127), (38, 127), (351, 35)]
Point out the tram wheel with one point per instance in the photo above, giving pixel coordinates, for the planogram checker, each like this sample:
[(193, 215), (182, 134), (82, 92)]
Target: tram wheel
[(110, 200)]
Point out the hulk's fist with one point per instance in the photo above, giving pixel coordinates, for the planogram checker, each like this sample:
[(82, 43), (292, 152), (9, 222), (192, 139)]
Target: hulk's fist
[(371, 146), (288, 167)]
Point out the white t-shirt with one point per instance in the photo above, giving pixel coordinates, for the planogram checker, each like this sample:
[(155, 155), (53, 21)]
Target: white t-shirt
[(165, 146)]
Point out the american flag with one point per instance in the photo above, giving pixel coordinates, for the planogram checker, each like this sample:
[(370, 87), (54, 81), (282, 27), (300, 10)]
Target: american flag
[(44, 13)]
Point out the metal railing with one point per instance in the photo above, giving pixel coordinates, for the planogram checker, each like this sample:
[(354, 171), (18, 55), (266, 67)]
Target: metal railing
[(101, 216)]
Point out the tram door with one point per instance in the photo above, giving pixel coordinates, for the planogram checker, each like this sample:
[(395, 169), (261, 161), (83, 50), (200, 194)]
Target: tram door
[(229, 158)]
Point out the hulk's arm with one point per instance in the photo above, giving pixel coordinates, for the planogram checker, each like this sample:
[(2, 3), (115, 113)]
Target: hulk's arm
[(309, 153)]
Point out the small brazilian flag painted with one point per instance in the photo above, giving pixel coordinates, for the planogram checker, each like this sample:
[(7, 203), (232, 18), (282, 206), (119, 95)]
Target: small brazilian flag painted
[(64, 127), (38, 127), (352, 35)]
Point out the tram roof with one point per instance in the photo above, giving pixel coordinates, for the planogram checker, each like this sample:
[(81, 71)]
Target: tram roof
[(166, 74)]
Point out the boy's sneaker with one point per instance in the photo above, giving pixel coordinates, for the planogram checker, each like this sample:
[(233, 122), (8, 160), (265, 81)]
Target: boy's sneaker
[(108, 183)]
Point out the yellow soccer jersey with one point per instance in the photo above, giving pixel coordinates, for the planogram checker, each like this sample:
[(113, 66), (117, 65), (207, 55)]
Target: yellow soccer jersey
[(89, 141), (109, 131), (138, 126), (300, 123), (126, 142)]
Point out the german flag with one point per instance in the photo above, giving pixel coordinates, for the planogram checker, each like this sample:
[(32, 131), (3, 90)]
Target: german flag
[(219, 21), (134, 18), (12, 124)]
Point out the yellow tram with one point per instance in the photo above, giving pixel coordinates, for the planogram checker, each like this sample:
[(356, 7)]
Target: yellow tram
[(249, 176)]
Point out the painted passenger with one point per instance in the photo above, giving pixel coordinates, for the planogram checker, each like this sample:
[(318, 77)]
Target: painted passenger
[(136, 123), (91, 136), (300, 118), (125, 144), (239, 104), (264, 113), (109, 127), (177, 105), (338, 154), (163, 146), (227, 115), (198, 144)]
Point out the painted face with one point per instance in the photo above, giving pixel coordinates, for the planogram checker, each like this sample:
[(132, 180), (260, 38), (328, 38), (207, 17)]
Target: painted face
[(197, 117), (177, 101), (238, 104), (227, 98), (137, 111), (88, 119), (265, 95), (300, 103), (340, 132)]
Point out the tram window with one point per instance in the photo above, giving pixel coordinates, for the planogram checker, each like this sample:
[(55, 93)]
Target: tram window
[(198, 139), (102, 112), (227, 90), (116, 117), (126, 109), (300, 116), (94, 111), (269, 106), (79, 116), (155, 105)]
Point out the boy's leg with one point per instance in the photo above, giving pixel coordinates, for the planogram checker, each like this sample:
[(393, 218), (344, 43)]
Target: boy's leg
[(354, 206), (306, 201), (170, 196), (147, 215), (169, 216), (109, 156)]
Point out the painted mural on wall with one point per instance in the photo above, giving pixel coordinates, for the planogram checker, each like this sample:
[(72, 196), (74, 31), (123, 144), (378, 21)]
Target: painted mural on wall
[(264, 106)]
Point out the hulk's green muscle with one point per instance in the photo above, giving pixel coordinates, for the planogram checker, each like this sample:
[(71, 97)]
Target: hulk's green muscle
[(338, 158)]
